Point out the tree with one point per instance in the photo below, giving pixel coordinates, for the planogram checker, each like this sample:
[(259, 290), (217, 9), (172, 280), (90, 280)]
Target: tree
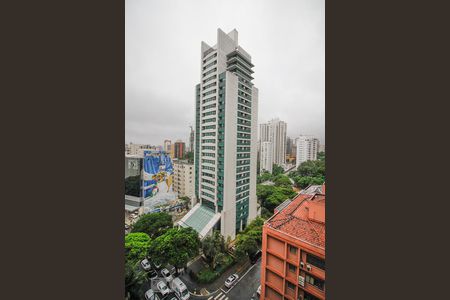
[(272, 196), (276, 169), (214, 249), (133, 185), (136, 246), (312, 168), (186, 200), (264, 176), (254, 229), (246, 245), (134, 278), (177, 246), (321, 156), (303, 182), (153, 224), (282, 180)]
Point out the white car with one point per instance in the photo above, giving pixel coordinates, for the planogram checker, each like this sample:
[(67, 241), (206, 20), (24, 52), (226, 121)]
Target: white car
[(231, 280), (162, 287), (258, 291), (166, 274), (145, 264), (150, 295)]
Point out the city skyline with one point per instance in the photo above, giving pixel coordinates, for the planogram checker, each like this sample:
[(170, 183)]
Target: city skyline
[(291, 84)]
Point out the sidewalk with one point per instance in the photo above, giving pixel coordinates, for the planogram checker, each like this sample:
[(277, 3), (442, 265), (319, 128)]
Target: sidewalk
[(214, 286)]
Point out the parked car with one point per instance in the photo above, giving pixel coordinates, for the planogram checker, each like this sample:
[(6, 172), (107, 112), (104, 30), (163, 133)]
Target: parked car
[(162, 287), (166, 274), (231, 280), (258, 291), (179, 288), (146, 264), (171, 269), (152, 274), (150, 295)]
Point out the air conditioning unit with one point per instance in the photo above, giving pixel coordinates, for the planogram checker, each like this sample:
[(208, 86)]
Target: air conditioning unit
[(302, 265), (308, 267)]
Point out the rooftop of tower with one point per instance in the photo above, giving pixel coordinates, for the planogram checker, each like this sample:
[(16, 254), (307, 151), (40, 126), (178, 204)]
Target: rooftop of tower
[(231, 37)]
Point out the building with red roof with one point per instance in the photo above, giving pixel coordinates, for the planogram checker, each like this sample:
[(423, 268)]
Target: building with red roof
[(293, 249)]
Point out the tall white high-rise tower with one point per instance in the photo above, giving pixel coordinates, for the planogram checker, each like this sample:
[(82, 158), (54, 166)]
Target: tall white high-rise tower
[(225, 139)]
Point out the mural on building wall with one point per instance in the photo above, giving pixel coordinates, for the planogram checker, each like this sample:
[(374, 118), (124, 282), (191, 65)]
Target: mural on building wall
[(157, 175)]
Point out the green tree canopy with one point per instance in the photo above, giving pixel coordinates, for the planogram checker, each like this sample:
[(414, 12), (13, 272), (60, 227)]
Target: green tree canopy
[(276, 169), (154, 224), (264, 176), (321, 156), (134, 279), (136, 246), (282, 180), (272, 196), (309, 173), (213, 247), (304, 182), (312, 168), (246, 245), (177, 246)]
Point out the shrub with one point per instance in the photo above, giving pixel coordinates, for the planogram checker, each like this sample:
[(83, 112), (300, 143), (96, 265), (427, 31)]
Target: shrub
[(207, 276)]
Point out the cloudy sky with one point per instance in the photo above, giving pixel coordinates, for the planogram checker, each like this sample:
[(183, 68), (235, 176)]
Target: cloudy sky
[(286, 40)]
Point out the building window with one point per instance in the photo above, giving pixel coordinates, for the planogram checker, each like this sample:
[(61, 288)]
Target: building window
[(292, 250), (308, 296), (315, 261), (292, 268), (290, 286), (317, 282)]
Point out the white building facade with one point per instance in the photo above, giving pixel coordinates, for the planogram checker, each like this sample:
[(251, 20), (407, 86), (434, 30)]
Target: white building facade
[(266, 162), (137, 149), (275, 132), (307, 148), (183, 178), (225, 138)]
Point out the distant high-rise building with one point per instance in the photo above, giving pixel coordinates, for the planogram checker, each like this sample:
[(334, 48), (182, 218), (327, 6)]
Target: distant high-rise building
[(167, 145), (275, 132), (289, 143), (179, 149), (225, 139), (191, 140), (266, 162), (307, 147), (183, 179)]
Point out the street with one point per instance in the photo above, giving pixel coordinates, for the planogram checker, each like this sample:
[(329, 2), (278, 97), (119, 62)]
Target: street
[(244, 289)]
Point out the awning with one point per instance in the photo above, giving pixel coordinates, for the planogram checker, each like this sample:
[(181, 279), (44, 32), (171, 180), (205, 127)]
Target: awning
[(201, 218)]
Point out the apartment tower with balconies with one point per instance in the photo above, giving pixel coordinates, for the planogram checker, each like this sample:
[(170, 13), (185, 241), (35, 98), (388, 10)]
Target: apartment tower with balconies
[(225, 139)]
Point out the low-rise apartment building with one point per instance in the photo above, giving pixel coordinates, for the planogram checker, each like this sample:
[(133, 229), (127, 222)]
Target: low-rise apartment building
[(183, 180), (293, 247)]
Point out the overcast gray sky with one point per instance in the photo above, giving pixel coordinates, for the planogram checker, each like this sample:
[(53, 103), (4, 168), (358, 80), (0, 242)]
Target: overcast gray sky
[(286, 40)]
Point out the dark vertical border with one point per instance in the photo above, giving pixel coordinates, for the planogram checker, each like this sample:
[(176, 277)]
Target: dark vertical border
[(387, 158), (62, 121)]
